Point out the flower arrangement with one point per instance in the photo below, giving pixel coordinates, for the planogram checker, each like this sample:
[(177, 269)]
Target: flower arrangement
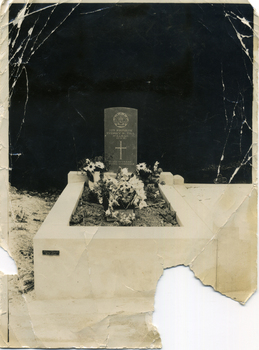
[(90, 166), (148, 174), (125, 191)]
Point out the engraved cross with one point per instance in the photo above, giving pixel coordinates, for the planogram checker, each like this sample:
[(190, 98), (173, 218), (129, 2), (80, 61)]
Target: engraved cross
[(120, 148)]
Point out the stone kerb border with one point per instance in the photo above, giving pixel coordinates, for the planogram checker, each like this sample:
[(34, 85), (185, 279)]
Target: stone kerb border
[(67, 257)]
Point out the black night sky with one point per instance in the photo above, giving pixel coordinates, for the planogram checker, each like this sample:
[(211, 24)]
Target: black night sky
[(182, 66)]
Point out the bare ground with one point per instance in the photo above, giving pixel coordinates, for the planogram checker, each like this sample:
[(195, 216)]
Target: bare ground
[(27, 211)]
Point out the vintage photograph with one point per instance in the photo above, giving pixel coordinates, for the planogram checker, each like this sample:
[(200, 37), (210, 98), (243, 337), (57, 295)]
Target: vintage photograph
[(132, 149)]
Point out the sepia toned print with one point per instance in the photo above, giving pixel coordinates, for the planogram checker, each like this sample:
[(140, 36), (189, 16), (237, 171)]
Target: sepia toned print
[(131, 149)]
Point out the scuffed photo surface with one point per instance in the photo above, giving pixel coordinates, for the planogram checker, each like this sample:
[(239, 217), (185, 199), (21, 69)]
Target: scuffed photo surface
[(188, 69)]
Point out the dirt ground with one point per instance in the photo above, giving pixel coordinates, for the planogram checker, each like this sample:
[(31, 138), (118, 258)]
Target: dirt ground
[(27, 211)]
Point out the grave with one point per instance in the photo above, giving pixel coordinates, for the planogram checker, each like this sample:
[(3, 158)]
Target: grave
[(67, 250), (102, 267), (120, 138), (79, 262)]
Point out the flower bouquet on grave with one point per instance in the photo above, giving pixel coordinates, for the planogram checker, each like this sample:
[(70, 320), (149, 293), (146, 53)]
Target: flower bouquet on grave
[(93, 168), (120, 196), (151, 178), (148, 174)]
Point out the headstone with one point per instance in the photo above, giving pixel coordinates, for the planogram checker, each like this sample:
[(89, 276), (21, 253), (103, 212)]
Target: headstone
[(120, 138)]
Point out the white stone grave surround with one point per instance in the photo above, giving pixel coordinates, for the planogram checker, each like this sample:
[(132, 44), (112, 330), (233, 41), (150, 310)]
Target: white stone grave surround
[(114, 271), (88, 251)]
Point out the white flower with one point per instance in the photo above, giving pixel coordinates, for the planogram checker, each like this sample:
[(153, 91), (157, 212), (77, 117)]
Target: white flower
[(124, 171), (111, 180), (141, 166), (135, 201), (99, 165), (156, 165), (90, 167), (108, 212), (115, 214), (112, 202), (87, 161), (142, 204)]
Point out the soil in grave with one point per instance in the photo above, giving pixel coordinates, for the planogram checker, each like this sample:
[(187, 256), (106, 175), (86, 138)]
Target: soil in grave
[(155, 214)]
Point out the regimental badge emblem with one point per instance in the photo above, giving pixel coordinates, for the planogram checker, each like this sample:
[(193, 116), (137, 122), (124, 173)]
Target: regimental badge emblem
[(121, 120)]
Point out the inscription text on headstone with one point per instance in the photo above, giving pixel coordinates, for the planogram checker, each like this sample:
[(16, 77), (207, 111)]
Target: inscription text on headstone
[(120, 138)]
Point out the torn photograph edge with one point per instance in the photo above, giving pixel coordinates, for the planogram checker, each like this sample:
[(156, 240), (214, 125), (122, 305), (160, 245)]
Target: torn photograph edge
[(175, 192)]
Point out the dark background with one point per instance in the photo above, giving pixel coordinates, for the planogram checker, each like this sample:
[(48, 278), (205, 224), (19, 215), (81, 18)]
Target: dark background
[(181, 65)]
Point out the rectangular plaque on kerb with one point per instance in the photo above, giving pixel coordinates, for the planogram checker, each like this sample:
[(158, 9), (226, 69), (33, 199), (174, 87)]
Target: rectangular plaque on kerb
[(120, 138), (50, 252)]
